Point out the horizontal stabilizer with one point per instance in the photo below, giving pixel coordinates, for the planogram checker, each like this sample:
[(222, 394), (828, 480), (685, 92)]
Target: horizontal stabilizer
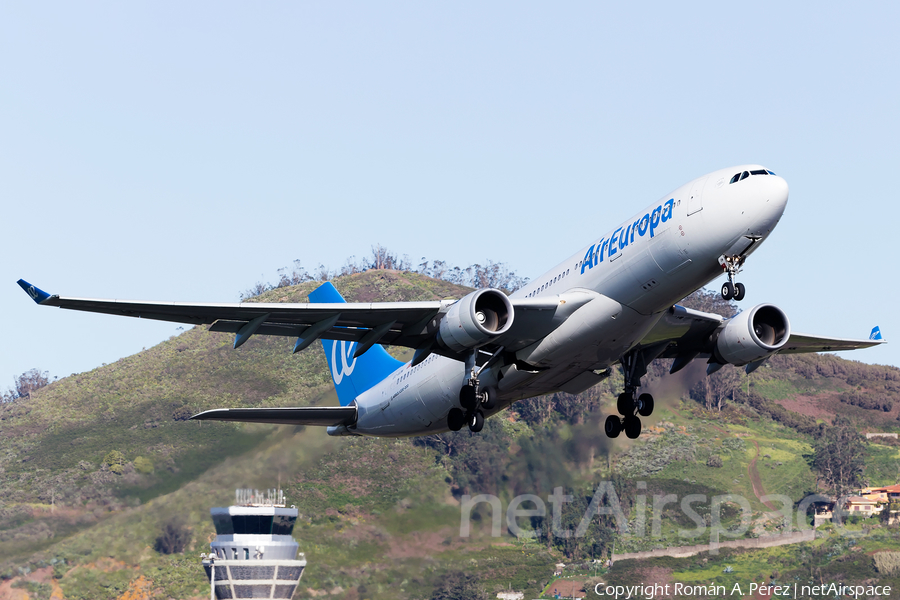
[(323, 416)]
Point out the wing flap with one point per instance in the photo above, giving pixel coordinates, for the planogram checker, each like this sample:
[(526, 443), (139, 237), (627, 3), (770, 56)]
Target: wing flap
[(322, 416)]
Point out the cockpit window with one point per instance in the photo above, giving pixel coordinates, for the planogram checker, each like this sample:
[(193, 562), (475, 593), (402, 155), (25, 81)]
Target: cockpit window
[(741, 176)]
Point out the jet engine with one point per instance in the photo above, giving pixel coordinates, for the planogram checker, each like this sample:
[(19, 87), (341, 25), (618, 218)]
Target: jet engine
[(475, 320), (752, 335)]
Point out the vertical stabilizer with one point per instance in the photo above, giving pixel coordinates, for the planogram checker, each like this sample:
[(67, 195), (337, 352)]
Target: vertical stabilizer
[(352, 376)]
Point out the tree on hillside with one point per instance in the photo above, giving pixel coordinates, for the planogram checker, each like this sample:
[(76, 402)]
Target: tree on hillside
[(839, 456), (174, 537), (491, 274), (26, 384), (296, 276), (459, 586), (115, 462), (382, 258), (715, 389)]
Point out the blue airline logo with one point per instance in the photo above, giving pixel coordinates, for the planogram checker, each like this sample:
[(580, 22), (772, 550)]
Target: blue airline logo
[(339, 366), (624, 235)]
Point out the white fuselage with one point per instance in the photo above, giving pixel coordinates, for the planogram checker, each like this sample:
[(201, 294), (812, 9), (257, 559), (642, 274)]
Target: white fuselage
[(639, 269)]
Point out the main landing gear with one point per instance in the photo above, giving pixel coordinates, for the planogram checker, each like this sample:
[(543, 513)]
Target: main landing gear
[(732, 266), (630, 423), (473, 418), (629, 403), (473, 401)]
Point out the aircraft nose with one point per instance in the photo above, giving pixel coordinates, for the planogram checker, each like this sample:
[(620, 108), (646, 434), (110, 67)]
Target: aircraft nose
[(773, 201), (779, 191)]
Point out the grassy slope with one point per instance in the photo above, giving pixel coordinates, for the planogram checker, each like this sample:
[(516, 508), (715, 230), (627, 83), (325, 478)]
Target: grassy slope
[(381, 520)]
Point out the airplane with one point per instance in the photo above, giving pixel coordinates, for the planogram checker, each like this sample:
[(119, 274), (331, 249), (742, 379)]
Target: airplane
[(613, 302)]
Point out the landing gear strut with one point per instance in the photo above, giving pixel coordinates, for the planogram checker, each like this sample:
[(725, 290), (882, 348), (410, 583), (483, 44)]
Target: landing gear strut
[(473, 401), (732, 266), (470, 400), (629, 404)]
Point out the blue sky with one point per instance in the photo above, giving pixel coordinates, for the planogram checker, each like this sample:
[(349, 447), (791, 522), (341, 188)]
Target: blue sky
[(185, 151)]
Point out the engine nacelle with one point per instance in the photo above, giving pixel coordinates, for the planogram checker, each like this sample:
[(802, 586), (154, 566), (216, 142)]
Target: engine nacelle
[(475, 320), (752, 335)]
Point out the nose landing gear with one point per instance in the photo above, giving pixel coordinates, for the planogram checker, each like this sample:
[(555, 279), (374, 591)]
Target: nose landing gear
[(732, 266)]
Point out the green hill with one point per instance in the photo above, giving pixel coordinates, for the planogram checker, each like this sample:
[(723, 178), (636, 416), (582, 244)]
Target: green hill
[(93, 466)]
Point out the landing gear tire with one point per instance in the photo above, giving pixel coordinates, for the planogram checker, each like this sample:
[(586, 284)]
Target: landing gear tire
[(476, 421), (613, 426), (456, 419), (625, 404), (739, 291), (728, 290), (632, 426), (489, 399), (645, 405), (467, 397)]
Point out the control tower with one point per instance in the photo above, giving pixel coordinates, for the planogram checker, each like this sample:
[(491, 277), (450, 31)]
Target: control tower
[(254, 555)]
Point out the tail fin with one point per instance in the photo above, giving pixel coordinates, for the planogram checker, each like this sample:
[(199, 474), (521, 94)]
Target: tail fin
[(352, 376)]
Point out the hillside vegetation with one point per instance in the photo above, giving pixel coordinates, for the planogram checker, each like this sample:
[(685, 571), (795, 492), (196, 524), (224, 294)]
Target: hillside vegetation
[(94, 466)]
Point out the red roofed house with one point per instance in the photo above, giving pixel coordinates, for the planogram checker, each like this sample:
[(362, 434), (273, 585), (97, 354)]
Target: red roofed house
[(861, 505)]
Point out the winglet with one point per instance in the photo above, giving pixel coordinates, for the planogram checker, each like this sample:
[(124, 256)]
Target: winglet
[(37, 294), (876, 334)]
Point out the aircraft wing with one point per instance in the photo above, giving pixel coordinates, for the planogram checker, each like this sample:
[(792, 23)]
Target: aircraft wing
[(687, 332), (800, 342), (327, 416), (407, 321), (409, 324)]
